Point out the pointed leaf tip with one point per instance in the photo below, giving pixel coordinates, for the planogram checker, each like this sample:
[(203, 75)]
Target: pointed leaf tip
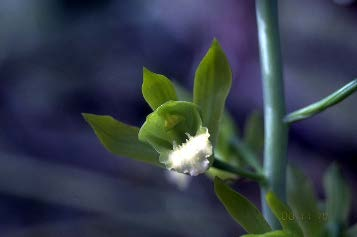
[(157, 89), (213, 80), (215, 42)]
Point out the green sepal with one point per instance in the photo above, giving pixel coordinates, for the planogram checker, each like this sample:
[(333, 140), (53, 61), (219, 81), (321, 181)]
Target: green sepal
[(213, 80), (121, 139), (169, 123), (157, 89), (241, 209), (285, 215), (303, 201)]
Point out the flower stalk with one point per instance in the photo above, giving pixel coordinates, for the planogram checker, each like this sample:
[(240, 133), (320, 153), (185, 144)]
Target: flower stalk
[(239, 171)]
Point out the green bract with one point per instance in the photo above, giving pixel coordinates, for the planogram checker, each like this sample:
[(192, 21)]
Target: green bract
[(213, 81), (175, 130), (169, 123), (157, 89), (121, 139)]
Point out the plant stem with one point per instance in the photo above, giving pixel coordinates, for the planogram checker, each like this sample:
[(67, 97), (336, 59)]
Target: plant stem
[(323, 104), (239, 171), (276, 131)]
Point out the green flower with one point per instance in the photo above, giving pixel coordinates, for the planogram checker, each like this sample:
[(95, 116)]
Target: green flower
[(175, 131), (178, 135)]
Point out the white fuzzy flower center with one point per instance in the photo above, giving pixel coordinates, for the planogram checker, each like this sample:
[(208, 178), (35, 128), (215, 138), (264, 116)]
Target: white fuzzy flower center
[(191, 157)]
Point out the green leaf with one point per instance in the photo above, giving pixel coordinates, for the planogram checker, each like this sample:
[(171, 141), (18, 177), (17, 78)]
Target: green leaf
[(241, 209), (213, 80), (254, 132), (121, 139), (277, 233), (352, 231), (157, 89), (302, 199), (338, 195), (169, 123), (284, 214)]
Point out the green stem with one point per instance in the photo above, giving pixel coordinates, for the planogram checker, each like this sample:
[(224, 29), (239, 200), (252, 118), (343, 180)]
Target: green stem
[(239, 171), (321, 105), (276, 131)]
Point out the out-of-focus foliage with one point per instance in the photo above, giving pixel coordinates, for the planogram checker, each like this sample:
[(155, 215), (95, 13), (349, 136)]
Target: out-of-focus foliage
[(254, 133), (338, 200), (303, 201)]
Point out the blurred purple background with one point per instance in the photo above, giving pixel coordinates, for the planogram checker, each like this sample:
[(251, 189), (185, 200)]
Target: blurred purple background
[(62, 57)]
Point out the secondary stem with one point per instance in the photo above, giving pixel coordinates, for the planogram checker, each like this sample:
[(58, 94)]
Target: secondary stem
[(274, 104), (239, 171)]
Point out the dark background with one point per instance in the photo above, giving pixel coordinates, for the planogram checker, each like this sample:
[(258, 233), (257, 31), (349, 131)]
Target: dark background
[(59, 58)]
